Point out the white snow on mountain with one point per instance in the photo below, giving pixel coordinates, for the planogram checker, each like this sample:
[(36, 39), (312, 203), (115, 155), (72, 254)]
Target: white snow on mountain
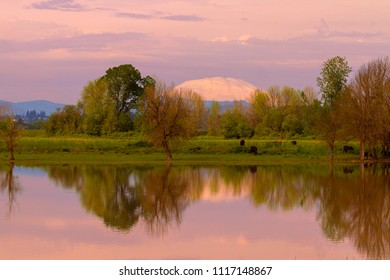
[(220, 89)]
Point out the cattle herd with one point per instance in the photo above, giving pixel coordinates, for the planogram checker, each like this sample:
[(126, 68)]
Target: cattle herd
[(345, 149)]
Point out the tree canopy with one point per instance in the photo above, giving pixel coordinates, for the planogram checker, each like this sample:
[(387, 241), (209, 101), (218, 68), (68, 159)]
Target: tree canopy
[(333, 79), (125, 85), (169, 115)]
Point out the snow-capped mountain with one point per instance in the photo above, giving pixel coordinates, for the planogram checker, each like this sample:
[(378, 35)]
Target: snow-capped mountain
[(220, 89)]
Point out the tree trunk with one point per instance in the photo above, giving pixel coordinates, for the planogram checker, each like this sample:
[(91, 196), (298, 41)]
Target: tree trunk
[(167, 151), (331, 146), (11, 154), (12, 135), (361, 150)]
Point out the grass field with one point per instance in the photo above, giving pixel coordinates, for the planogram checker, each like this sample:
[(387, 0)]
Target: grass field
[(35, 146)]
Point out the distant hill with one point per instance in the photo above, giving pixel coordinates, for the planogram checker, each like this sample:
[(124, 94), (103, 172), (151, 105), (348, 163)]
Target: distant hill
[(220, 88), (20, 108)]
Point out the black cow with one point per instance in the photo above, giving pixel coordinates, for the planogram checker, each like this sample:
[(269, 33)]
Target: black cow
[(347, 149), (367, 155), (294, 142), (242, 142), (347, 170), (253, 150)]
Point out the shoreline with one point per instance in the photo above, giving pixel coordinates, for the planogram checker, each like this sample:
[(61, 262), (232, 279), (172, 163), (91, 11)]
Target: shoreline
[(178, 159)]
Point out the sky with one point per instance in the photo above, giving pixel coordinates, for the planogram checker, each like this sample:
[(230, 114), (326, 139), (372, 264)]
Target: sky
[(50, 49)]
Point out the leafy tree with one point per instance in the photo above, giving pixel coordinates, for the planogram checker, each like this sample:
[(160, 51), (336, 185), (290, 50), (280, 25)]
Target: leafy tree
[(234, 123), (67, 120), (278, 111), (213, 119), (229, 125), (259, 107), (167, 116), (332, 81), (98, 107), (310, 110), (125, 86)]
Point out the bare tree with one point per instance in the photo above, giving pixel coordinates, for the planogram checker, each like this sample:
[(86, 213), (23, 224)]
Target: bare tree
[(169, 115), (10, 130), (366, 105)]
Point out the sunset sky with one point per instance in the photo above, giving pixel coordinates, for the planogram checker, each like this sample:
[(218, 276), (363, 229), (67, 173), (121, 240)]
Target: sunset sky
[(50, 49)]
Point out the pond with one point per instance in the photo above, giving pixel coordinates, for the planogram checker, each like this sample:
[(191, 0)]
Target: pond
[(308, 211)]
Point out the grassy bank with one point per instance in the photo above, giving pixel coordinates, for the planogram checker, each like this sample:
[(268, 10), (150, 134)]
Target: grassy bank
[(34, 146)]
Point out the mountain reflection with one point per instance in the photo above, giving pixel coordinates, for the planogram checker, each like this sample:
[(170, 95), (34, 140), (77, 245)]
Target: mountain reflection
[(352, 202)]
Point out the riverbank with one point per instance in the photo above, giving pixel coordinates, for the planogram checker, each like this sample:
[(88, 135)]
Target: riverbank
[(134, 149)]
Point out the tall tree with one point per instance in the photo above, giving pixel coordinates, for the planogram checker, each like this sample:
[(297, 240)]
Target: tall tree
[(125, 86), (260, 104), (332, 81), (98, 107), (367, 107), (167, 116)]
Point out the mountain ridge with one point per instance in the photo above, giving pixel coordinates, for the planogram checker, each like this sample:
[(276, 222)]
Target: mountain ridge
[(20, 108)]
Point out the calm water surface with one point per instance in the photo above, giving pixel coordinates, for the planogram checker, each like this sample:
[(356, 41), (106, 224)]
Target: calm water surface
[(194, 212)]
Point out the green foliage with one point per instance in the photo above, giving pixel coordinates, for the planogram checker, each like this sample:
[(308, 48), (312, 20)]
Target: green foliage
[(125, 122), (234, 123), (229, 123), (280, 111), (68, 120), (98, 107), (125, 85), (333, 79), (213, 119), (332, 82)]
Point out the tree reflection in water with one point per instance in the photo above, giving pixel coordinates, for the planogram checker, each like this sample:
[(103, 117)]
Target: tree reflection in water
[(359, 208), (354, 205), (105, 191), (9, 184), (351, 202), (124, 195), (165, 195)]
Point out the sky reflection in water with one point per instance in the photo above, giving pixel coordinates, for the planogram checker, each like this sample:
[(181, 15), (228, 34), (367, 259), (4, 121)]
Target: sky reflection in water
[(164, 212)]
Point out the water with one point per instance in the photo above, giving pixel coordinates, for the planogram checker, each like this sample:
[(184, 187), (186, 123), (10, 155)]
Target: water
[(194, 212)]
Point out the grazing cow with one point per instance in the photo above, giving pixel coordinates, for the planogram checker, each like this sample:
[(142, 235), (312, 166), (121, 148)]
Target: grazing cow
[(253, 150), (346, 149), (294, 142), (367, 155), (347, 170), (242, 142)]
